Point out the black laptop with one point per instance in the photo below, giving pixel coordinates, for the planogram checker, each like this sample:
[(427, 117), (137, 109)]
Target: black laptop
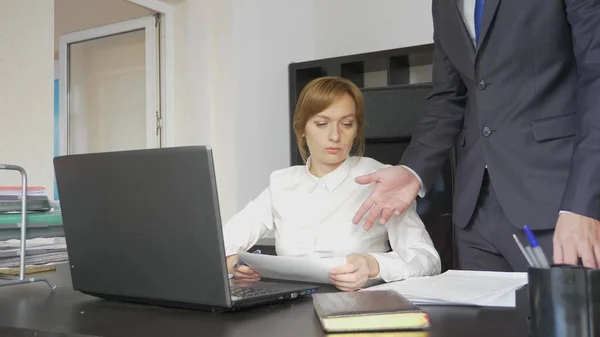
[(144, 226)]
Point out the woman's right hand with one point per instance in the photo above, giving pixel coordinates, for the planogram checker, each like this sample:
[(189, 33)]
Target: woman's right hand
[(242, 271)]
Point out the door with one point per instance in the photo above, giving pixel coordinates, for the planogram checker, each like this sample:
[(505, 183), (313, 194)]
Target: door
[(109, 88)]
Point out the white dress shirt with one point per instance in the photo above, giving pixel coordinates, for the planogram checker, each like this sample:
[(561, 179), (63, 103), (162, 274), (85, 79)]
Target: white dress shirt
[(312, 217), (467, 11)]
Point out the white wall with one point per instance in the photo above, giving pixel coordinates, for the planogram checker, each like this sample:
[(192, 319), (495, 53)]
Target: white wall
[(344, 27), (236, 87), (26, 90), (232, 81)]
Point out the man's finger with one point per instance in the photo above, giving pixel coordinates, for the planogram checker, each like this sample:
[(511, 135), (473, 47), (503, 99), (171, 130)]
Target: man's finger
[(367, 178), (364, 208), (597, 255), (373, 214), (570, 254), (400, 209), (587, 255), (557, 251), (386, 214)]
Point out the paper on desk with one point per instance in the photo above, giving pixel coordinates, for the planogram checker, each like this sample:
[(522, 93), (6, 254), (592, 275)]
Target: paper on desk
[(292, 268), (463, 287)]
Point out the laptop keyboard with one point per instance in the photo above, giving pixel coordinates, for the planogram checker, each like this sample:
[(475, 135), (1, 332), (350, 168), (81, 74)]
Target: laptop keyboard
[(250, 292)]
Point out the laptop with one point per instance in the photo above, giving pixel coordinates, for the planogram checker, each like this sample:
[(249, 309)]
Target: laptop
[(144, 226)]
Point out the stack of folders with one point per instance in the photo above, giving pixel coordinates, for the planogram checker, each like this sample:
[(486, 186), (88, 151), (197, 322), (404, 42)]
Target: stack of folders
[(372, 311), (11, 198)]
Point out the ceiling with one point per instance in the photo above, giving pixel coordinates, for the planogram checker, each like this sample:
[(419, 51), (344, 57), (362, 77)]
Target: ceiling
[(74, 15)]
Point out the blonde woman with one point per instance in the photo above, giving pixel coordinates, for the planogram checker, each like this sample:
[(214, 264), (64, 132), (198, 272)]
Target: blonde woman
[(310, 207)]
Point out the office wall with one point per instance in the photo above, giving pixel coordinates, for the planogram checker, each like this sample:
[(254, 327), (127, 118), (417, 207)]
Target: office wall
[(345, 27), (235, 82), (231, 73), (26, 90)]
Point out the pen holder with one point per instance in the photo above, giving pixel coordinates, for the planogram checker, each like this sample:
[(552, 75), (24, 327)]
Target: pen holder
[(564, 301)]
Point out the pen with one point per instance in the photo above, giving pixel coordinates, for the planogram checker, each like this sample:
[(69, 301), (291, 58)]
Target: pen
[(240, 262), (527, 254), (532, 256), (535, 247)]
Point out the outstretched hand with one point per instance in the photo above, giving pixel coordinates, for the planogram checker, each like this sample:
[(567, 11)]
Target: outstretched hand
[(395, 189)]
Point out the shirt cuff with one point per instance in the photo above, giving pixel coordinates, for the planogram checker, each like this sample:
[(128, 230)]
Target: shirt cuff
[(561, 212), (385, 264), (231, 250), (422, 190)]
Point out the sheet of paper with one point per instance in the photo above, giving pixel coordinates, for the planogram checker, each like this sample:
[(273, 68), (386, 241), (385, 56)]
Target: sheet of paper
[(464, 287), (292, 268)]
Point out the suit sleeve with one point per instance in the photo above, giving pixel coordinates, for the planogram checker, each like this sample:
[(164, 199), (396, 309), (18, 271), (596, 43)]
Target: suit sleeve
[(438, 129), (413, 253), (582, 192), (249, 225)]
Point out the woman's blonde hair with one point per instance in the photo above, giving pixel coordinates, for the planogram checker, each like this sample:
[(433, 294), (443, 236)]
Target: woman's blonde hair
[(317, 96)]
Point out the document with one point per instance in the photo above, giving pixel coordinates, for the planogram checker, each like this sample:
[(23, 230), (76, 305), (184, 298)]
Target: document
[(461, 287), (301, 269)]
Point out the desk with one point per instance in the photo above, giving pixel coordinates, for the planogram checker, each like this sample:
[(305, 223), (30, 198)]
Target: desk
[(36, 307)]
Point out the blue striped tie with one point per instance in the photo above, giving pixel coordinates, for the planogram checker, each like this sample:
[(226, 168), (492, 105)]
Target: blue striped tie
[(478, 17)]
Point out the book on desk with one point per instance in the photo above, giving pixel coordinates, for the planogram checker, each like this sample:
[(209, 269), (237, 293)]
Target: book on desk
[(383, 310)]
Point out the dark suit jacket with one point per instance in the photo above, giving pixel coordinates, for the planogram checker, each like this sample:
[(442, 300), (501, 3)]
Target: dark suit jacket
[(526, 103)]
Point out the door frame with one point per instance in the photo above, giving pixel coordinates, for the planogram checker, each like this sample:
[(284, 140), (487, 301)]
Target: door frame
[(153, 85)]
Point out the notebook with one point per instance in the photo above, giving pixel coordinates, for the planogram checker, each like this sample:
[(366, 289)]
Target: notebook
[(382, 310)]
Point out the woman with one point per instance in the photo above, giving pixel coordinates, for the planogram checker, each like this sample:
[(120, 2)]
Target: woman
[(310, 207)]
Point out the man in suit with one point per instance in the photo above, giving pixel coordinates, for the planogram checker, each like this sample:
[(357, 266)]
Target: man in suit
[(516, 87)]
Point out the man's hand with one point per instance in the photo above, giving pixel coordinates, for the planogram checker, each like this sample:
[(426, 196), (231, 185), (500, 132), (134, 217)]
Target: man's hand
[(395, 189), (355, 273), (577, 236)]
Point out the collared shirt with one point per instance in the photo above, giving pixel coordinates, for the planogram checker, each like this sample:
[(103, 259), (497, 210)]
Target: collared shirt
[(312, 217), (467, 11)]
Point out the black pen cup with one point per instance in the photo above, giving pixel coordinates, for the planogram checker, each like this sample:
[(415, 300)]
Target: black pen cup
[(564, 301)]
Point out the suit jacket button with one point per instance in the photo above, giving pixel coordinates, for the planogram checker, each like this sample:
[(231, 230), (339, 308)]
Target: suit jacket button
[(486, 132), (481, 85)]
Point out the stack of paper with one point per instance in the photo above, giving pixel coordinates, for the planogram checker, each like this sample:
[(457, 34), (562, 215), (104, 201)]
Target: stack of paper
[(461, 287), (38, 251), (17, 191), (11, 199)]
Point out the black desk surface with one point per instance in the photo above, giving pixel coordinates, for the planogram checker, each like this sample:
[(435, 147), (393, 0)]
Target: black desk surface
[(36, 310)]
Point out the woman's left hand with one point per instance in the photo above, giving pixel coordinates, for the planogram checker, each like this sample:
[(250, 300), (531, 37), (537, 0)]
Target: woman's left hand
[(355, 273)]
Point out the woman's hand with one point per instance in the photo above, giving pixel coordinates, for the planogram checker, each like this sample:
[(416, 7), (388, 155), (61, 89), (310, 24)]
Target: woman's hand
[(240, 271), (355, 273)]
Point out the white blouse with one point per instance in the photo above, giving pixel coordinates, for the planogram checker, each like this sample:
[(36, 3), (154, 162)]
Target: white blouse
[(312, 216)]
